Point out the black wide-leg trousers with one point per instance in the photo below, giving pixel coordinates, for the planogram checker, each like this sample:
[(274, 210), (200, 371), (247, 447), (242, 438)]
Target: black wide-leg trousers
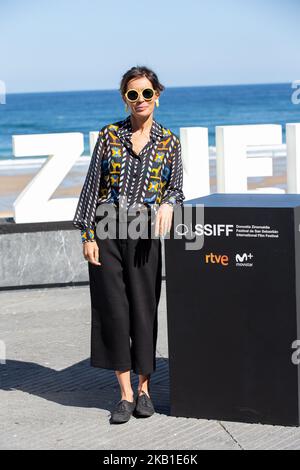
[(125, 292)]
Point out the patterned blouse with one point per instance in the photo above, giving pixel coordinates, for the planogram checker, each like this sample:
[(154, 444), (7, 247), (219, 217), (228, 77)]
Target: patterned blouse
[(153, 177)]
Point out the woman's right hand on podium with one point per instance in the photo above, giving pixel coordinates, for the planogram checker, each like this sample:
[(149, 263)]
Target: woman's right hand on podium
[(91, 252)]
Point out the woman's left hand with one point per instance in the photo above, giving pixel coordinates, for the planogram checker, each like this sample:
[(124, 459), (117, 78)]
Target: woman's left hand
[(163, 221)]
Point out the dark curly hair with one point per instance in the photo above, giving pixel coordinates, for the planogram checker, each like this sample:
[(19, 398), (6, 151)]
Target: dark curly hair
[(137, 72)]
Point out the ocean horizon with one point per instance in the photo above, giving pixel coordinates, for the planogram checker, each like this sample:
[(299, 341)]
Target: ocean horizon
[(89, 110)]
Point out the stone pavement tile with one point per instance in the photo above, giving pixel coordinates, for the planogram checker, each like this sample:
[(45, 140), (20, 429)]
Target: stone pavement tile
[(51, 398), (53, 421), (52, 326), (35, 379), (44, 299), (261, 437)]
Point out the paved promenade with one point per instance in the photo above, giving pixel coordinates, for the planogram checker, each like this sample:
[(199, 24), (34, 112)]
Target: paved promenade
[(50, 398)]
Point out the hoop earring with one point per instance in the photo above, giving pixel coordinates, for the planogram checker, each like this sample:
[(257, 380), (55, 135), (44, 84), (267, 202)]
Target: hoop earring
[(157, 103)]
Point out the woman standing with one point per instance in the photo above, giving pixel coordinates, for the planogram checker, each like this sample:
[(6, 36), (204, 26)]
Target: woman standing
[(138, 161)]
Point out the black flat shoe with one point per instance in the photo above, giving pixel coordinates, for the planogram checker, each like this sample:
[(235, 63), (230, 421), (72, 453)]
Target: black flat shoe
[(122, 411), (144, 406)]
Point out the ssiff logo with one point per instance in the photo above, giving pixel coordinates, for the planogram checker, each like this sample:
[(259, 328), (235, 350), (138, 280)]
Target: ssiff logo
[(208, 230)]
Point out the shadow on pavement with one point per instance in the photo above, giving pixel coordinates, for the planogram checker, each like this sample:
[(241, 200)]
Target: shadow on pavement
[(80, 384)]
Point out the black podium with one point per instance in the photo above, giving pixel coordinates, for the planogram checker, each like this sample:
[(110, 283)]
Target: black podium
[(233, 310)]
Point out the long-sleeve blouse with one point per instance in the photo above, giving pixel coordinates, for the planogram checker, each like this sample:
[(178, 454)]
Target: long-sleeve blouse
[(152, 177)]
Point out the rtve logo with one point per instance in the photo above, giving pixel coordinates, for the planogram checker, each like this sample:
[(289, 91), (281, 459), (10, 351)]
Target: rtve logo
[(217, 259)]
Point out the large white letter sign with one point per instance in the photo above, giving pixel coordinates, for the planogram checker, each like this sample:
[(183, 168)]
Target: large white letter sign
[(293, 158), (34, 203), (195, 159), (233, 166), (93, 136)]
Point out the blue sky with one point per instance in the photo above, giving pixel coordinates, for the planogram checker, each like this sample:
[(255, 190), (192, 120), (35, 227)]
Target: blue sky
[(88, 44)]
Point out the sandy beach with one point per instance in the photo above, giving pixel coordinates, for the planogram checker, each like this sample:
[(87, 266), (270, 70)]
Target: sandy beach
[(15, 178), (12, 183), (12, 186)]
